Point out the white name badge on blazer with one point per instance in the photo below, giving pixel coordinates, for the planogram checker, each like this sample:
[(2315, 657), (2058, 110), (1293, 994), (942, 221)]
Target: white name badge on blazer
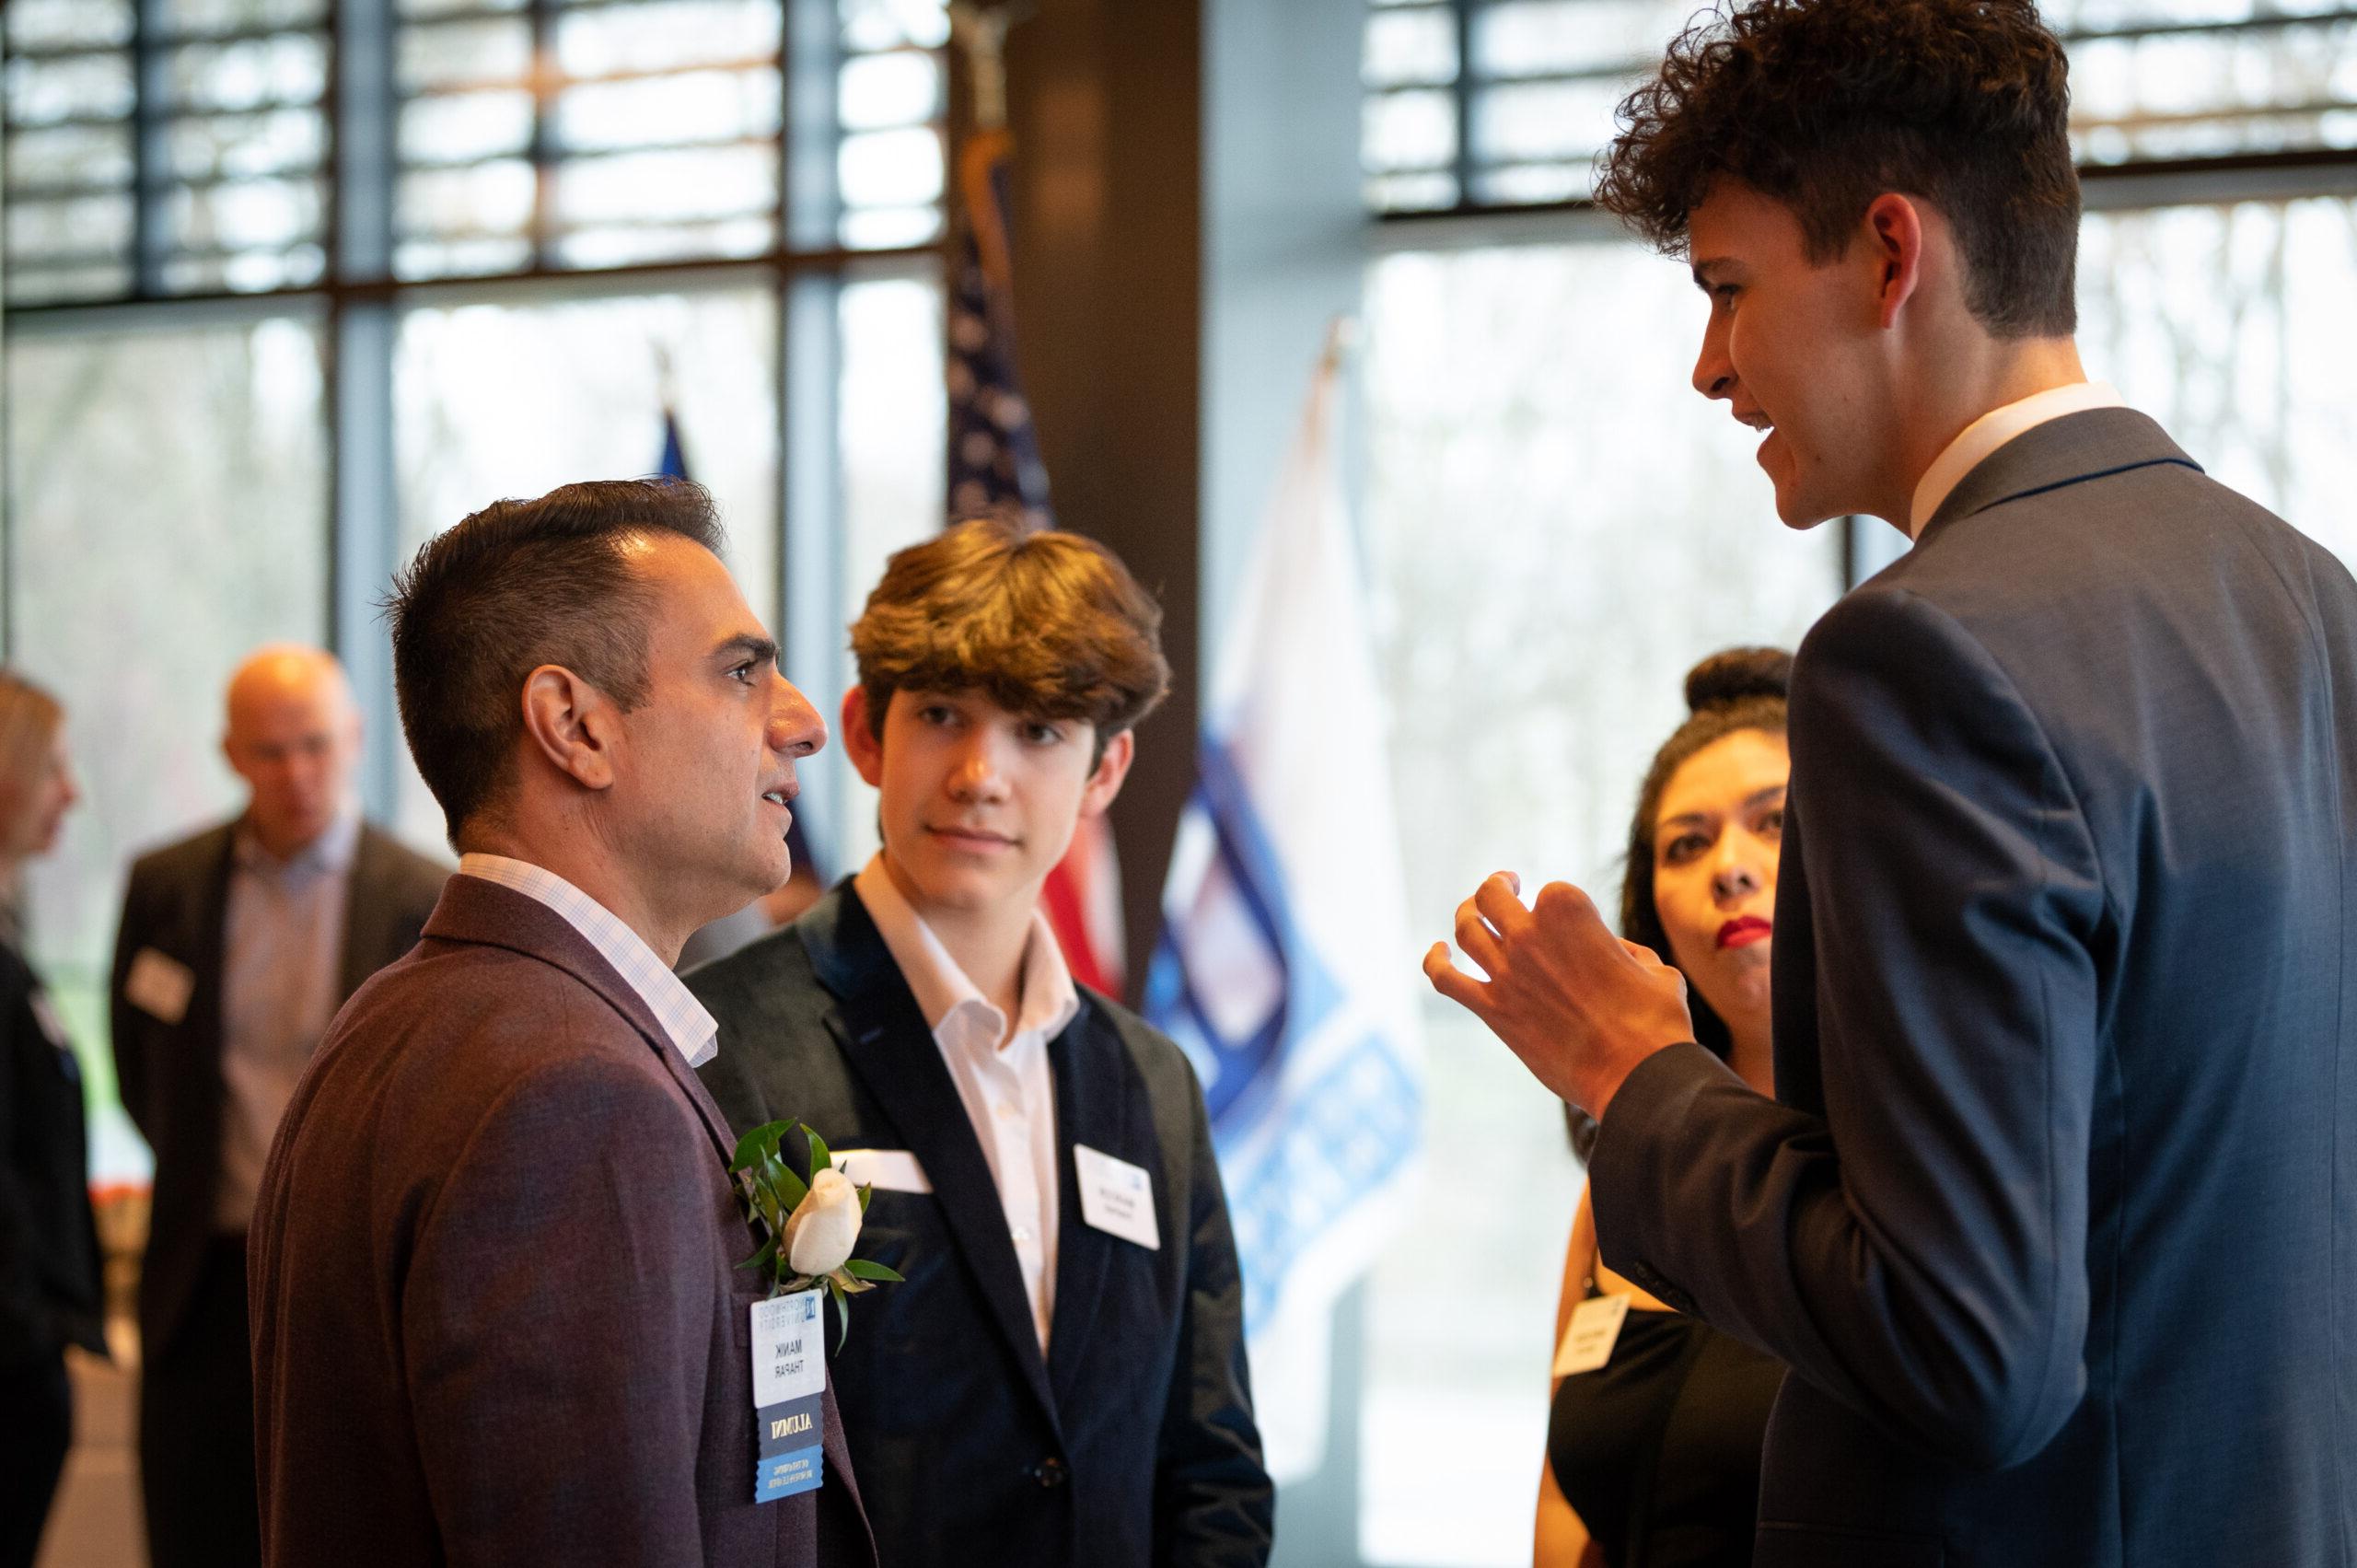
[(887, 1170), (789, 1393), (158, 985), (1117, 1197)]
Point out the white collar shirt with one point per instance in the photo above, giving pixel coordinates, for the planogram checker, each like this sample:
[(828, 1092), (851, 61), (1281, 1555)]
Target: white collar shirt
[(1993, 430), (691, 1030), (1003, 1075)]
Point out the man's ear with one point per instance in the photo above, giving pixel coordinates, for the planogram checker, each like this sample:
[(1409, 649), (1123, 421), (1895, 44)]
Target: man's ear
[(866, 752), (1111, 769), (1895, 231), (571, 723)]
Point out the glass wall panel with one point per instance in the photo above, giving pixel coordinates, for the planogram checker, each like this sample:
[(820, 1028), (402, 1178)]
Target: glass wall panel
[(495, 400), (2235, 326), (892, 426), (889, 165), (1558, 529), (167, 513), (236, 199), (2151, 80)]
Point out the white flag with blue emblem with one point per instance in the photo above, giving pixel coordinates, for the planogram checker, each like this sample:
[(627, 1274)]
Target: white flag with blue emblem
[(1284, 966)]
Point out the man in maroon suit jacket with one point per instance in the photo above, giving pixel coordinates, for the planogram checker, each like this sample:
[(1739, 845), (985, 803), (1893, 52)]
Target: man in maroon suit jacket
[(497, 1316)]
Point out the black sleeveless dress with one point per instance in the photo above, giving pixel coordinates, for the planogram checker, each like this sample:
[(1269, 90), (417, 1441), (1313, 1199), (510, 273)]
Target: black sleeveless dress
[(1658, 1449)]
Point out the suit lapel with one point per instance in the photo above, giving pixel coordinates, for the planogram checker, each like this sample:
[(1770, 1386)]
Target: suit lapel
[(876, 1022), (1093, 1108)]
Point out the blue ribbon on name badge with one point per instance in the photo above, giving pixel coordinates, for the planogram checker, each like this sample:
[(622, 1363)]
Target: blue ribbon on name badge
[(789, 1393)]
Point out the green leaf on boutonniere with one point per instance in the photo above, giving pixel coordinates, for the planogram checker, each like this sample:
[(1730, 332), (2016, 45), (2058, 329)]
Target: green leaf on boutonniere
[(842, 1313), (861, 1268), (865, 1193), (820, 1157), (780, 1179)]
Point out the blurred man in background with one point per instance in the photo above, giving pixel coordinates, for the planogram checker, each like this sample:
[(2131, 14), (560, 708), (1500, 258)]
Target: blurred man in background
[(236, 948)]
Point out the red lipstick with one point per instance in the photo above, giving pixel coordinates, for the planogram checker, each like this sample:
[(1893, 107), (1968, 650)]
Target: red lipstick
[(1743, 931)]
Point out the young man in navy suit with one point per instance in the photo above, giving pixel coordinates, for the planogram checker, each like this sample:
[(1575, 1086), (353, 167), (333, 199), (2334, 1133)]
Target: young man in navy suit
[(2066, 960), (1060, 1380)]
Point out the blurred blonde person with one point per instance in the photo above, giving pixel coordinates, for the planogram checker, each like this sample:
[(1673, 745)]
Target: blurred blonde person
[(48, 1249), (1654, 1458)]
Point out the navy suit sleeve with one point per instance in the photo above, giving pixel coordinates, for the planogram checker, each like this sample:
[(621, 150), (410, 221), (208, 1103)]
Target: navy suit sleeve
[(1213, 1503), (1918, 1252)]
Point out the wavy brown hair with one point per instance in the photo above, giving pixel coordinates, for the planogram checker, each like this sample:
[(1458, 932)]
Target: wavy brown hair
[(1824, 105), (1044, 624)]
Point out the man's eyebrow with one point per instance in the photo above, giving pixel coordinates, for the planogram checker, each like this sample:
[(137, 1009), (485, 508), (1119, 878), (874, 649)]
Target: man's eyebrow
[(1702, 270), (744, 645)]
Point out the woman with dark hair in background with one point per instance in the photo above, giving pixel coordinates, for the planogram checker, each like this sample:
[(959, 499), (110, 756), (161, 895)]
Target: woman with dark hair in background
[(48, 1249), (1653, 1457)]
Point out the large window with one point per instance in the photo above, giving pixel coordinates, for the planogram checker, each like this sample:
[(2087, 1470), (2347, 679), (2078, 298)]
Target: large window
[(1559, 528), (165, 494), (164, 147), (1477, 104), (292, 285)]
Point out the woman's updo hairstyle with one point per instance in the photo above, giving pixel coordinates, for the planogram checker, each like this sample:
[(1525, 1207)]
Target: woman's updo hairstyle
[(1739, 688)]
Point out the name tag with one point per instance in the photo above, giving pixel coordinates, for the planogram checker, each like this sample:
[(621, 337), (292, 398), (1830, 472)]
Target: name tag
[(158, 985), (887, 1170), (789, 1394), (1589, 1337), (1117, 1197)]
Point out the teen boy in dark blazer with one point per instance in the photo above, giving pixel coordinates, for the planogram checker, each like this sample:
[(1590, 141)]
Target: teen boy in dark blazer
[(1060, 1380)]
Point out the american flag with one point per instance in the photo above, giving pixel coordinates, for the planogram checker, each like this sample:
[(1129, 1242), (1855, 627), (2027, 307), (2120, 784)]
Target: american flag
[(994, 466)]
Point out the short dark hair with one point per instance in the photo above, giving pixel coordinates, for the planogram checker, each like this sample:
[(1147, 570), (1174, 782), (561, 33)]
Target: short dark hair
[(1043, 622), (1824, 105), (1736, 690), (518, 585)]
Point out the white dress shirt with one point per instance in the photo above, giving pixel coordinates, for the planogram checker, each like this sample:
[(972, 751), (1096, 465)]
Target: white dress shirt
[(1002, 1075), (1993, 430), (692, 1030), (282, 954)]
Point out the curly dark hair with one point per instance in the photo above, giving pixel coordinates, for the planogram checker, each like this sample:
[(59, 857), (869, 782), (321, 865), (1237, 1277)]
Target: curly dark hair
[(1824, 105), (1735, 689)]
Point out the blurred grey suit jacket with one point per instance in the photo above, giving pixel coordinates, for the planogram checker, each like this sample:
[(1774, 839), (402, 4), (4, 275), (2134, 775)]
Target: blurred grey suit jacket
[(497, 1313), (2056, 1223)]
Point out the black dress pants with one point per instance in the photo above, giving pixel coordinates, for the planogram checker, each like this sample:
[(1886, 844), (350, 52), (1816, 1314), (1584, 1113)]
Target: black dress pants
[(196, 1428), (33, 1439)]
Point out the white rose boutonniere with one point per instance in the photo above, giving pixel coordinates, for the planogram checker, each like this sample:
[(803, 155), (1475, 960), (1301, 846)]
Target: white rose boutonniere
[(809, 1219)]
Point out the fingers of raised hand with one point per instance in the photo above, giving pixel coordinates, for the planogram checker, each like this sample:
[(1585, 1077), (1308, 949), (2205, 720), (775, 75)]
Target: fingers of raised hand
[(1450, 980), (1561, 901), (1475, 939), (1498, 899)]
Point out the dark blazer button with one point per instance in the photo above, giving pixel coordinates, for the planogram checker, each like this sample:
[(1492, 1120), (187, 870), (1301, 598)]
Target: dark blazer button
[(1050, 1472)]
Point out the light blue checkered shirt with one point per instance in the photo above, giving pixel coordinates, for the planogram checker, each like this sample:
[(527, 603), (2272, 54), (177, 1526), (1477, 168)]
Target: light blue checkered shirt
[(691, 1030)]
